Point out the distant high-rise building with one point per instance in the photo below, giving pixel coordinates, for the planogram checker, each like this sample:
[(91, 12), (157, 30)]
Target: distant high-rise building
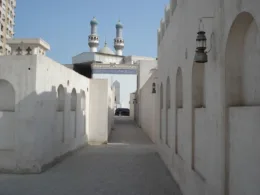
[(7, 17)]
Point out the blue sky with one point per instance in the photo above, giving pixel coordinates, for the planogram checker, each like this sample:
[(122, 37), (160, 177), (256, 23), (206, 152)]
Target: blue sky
[(64, 24)]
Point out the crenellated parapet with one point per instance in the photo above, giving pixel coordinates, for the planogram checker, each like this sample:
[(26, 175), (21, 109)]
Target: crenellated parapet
[(163, 27), (158, 36), (173, 5), (28, 46), (165, 21), (167, 15)]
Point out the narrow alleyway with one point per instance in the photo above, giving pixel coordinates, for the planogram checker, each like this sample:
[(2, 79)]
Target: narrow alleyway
[(128, 165)]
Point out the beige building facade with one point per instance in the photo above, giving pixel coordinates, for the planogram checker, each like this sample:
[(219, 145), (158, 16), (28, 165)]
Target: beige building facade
[(207, 114)]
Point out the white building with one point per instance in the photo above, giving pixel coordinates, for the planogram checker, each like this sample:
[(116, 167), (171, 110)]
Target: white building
[(118, 69), (7, 17), (45, 109), (207, 113)]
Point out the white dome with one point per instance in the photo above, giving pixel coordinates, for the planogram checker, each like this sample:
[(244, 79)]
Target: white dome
[(106, 50)]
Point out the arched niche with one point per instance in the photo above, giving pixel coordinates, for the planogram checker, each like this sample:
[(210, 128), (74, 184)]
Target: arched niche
[(198, 85), (73, 103), (168, 94), (61, 99), (179, 89), (161, 108), (179, 105), (161, 96), (242, 78), (198, 102), (83, 109), (242, 67), (83, 100), (7, 97), (168, 106)]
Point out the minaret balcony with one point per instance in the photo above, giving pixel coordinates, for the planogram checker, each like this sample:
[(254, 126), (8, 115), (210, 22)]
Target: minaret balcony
[(93, 38)]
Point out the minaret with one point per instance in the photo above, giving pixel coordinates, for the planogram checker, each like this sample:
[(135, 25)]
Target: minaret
[(119, 41), (93, 40)]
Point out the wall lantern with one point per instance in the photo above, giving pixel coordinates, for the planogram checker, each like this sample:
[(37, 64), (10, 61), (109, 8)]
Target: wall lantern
[(201, 55), (154, 88), (134, 101)]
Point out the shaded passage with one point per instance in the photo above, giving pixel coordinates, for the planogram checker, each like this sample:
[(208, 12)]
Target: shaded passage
[(131, 168), (127, 132)]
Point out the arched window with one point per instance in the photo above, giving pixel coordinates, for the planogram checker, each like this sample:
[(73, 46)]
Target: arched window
[(7, 96)]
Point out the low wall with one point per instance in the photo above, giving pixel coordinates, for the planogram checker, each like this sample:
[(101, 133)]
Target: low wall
[(101, 111), (44, 112)]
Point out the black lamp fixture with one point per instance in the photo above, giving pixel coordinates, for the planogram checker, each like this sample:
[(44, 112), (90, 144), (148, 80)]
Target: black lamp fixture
[(154, 88), (201, 55)]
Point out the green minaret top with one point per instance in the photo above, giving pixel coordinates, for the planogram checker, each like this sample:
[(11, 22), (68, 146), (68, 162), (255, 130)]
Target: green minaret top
[(119, 24), (94, 21)]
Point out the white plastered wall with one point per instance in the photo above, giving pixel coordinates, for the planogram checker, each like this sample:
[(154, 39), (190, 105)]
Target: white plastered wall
[(44, 112), (213, 147), (147, 108), (33, 132), (101, 111)]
